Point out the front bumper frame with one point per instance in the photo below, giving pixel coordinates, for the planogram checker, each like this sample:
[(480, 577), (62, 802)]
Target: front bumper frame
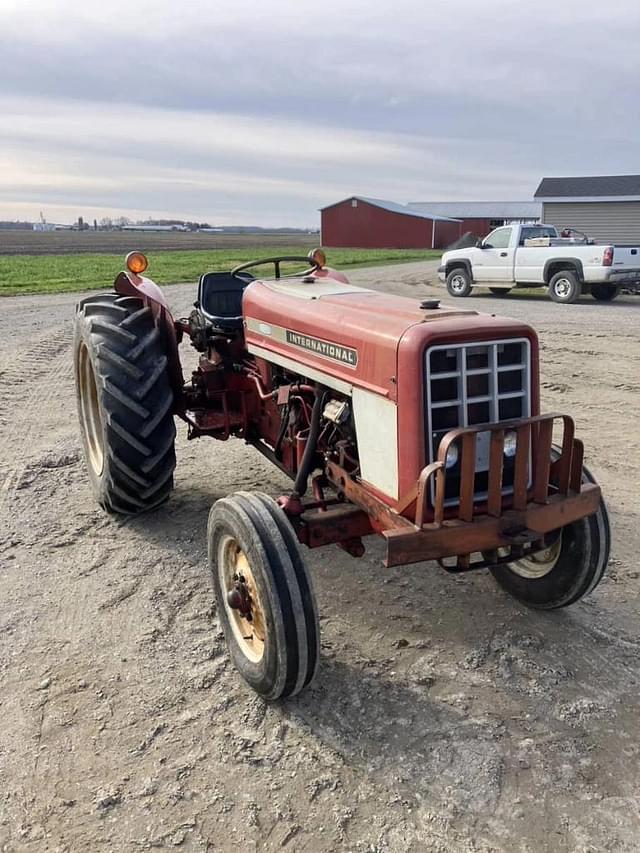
[(547, 495)]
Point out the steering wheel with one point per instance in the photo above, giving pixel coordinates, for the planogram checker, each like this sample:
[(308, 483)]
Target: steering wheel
[(315, 257)]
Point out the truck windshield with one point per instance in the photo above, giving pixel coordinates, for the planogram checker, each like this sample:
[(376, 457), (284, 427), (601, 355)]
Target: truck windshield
[(537, 231)]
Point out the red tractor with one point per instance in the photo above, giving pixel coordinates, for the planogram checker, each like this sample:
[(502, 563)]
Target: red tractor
[(413, 421)]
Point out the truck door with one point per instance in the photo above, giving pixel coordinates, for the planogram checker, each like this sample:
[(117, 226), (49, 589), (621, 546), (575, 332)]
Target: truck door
[(494, 261)]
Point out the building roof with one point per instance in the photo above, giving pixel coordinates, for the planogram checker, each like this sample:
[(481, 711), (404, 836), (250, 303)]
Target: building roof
[(482, 209), (594, 187), (394, 207)]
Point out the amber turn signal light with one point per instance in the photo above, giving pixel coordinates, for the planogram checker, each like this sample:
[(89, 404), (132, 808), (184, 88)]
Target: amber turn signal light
[(136, 262), (318, 257)]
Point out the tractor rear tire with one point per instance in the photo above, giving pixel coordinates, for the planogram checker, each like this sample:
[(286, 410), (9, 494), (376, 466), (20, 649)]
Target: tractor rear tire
[(264, 594), (604, 292), (571, 568), (565, 287), (125, 403), (459, 282)]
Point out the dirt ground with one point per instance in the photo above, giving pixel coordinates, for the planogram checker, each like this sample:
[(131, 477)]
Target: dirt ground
[(445, 716)]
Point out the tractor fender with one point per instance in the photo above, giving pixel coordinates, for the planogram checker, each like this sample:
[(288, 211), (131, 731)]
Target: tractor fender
[(130, 284), (328, 272)]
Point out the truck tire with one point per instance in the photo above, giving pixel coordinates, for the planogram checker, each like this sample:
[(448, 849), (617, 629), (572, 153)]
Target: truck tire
[(125, 402), (569, 569), (565, 287), (604, 292), (458, 282), (500, 291), (264, 594)]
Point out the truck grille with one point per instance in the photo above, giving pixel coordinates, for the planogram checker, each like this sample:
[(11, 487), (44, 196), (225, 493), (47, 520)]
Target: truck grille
[(476, 383)]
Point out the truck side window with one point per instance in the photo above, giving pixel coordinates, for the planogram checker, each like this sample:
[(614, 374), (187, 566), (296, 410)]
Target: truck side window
[(498, 239), (536, 231)]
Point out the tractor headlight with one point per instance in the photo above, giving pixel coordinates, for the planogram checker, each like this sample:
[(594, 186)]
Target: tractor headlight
[(452, 456), (510, 444)]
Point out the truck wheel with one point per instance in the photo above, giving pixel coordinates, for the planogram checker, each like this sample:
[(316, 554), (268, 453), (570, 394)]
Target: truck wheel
[(500, 291), (124, 402), (458, 282), (565, 287), (604, 292), (264, 593), (570, 568)]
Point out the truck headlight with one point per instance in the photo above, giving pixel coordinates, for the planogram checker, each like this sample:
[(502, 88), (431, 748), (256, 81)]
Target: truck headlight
[(510, 444)]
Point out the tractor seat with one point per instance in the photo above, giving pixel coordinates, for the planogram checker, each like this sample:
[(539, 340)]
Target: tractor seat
[(220, 298)]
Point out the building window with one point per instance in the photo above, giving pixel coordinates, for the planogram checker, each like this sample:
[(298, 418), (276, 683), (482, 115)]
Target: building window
[(354, 202)]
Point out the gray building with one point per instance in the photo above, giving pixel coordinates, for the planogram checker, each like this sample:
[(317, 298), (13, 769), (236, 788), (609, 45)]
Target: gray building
[(607, 208)]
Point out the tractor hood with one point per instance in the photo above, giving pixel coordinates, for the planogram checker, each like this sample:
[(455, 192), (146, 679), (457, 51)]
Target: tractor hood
[(347, 336)]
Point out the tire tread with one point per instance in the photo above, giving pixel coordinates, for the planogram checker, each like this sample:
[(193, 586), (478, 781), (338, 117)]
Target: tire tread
[(289, 591), (130, 365), (596, 532)]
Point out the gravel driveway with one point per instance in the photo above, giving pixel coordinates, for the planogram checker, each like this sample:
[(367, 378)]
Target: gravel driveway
[(445, 716)]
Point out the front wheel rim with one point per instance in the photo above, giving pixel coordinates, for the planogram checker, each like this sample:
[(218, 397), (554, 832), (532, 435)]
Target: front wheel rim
[(540, 564), (92, 426), (458, 284), (234, 567)]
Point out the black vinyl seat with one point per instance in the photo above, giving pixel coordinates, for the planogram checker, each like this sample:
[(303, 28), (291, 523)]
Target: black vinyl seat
[(220, 298)]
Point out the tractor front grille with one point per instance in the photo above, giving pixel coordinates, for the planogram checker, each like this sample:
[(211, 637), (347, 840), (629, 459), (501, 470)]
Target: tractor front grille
[(470, 384)]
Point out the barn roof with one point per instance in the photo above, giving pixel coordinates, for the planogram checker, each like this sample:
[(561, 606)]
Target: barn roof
[(481, 209), (393, 207), (590, 187)]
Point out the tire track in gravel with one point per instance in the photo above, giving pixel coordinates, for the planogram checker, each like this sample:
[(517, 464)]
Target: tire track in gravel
[(29, 383)]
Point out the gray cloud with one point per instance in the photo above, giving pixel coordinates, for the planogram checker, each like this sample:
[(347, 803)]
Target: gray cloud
[(264, 113)]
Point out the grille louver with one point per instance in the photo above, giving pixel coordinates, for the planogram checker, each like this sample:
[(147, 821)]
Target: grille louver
[(476, 383)]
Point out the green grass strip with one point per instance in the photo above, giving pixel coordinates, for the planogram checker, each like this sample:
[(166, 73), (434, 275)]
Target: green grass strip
[(26, 274)]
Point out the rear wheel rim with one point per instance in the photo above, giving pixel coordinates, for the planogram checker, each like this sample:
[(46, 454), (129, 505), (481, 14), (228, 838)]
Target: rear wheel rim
[(562, 288), (458, 283), (90, 409), (233, 565), (540, 564)]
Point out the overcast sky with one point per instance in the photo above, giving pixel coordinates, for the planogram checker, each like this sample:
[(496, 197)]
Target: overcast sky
[(261, 111)]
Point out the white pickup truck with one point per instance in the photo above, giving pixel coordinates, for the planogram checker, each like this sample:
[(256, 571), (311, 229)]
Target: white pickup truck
[(535, 256)]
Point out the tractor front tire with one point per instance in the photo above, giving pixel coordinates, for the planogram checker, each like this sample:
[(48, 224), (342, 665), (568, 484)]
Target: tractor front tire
[(604, 292), (125, 403), (264, 594), (570, 568), (459, 282)]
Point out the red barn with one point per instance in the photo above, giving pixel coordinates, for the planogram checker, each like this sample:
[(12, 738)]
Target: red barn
[(371, 223)]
